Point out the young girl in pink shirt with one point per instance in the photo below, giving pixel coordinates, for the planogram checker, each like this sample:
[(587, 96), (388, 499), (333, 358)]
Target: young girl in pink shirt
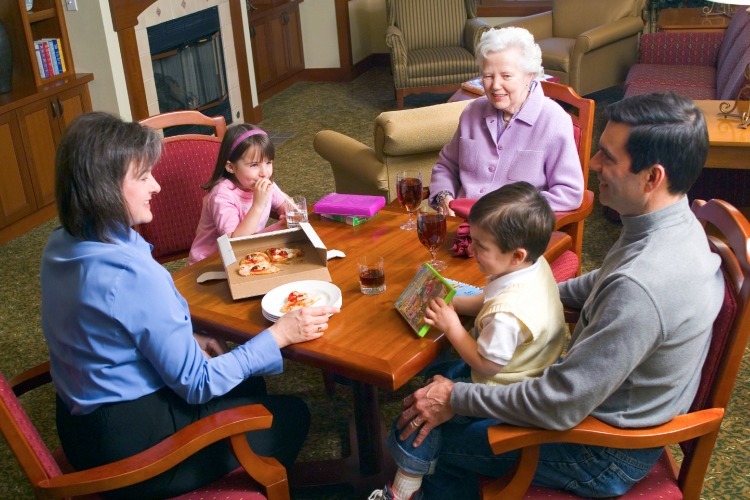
[(241, 194)]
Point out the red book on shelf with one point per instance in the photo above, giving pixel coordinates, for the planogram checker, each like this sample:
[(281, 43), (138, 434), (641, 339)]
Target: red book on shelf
[(47, 58)]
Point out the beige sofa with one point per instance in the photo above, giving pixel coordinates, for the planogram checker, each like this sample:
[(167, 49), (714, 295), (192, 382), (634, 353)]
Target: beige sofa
[(404, 139)]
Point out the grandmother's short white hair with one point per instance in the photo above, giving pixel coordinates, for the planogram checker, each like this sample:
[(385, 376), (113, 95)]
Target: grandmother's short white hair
[(497, 40)]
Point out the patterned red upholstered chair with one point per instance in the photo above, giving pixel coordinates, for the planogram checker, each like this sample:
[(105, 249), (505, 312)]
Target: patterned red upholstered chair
[(51, 477), (581, 111), (186, 163), (696, 431)]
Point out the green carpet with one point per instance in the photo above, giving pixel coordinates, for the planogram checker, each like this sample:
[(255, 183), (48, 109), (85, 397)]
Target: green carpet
[(301, 111)]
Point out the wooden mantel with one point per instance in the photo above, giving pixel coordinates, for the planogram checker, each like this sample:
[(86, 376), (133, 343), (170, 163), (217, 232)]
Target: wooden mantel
[(125, 18)]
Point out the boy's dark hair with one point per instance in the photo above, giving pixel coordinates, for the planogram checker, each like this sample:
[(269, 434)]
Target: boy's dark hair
[(516, 216), (668, 129), (93, 158), (261, 141)]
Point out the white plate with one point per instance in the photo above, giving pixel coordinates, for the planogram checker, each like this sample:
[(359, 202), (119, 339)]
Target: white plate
[(328, 293)]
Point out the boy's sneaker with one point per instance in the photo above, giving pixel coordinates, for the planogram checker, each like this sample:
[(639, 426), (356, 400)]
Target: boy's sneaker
[(387, 494)]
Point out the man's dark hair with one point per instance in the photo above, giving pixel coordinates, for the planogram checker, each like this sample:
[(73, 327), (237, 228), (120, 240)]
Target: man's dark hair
[(668, 129), (93, 158), (516, 216)]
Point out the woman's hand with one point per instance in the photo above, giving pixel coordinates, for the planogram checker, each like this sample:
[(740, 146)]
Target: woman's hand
[(211, 346), (301, 325), (446, 209), (426, 408)]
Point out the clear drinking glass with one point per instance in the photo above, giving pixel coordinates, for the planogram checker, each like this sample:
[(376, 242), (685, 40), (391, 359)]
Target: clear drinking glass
[(431, 229), (371, 274), (409, 193), (296, 213)]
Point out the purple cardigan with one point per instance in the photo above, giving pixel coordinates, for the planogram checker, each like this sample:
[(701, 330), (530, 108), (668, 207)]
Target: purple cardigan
[(537, 146)]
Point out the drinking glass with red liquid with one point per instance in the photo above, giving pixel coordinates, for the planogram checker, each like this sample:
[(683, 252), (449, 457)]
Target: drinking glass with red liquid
[(409, 193), (431, 228)]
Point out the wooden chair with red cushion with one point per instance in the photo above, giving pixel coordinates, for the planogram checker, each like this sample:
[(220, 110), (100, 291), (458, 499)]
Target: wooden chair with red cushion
[(696, 431), (187, 162), (52, 477), (581, 111)]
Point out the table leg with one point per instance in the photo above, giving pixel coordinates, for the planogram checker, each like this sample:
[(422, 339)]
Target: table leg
[(369, 466)]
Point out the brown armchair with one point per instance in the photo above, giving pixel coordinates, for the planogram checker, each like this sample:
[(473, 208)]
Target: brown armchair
[(588, 44), (695, 431), (432, 44)]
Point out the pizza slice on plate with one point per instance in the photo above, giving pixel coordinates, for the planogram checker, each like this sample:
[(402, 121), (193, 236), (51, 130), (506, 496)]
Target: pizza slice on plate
[(296, 300), (283, 254)]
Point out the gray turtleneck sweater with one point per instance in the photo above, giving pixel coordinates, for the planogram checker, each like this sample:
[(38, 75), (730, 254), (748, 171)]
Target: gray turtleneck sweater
[(635, 355)]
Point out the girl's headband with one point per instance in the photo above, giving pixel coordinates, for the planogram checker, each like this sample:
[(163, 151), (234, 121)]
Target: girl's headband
[(241, 138)]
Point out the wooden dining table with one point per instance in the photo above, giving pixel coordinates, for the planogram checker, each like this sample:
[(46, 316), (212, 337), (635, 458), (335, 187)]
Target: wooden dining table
[(368, 342)]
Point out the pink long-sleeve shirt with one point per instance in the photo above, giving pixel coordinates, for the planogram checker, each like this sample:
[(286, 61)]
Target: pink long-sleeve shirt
[(537, 146)]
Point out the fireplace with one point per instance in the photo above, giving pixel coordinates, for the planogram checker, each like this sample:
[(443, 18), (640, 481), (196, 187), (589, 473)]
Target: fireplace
[(187, 57)]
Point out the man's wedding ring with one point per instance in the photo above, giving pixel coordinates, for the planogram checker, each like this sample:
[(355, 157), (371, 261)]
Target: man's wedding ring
[(414, 423)]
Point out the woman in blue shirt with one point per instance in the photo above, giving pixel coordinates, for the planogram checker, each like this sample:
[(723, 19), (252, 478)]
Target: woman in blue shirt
[(126, 365)]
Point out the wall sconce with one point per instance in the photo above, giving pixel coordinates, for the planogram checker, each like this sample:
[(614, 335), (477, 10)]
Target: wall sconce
[(723, 7)]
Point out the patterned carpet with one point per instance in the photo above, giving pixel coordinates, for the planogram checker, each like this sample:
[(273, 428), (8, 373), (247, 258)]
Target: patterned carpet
[(301, 111)]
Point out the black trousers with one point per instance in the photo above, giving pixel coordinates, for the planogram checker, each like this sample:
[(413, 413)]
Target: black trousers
[(119, 430)]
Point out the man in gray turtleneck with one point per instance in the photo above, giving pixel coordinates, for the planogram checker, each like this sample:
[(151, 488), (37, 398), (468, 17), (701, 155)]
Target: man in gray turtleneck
[(635, 355)]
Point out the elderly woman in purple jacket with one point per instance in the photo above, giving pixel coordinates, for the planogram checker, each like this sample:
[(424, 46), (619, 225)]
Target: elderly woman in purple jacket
[(513, 133)]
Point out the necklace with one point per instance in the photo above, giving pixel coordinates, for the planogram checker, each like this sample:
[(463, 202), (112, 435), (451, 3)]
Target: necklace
[(506, 120)]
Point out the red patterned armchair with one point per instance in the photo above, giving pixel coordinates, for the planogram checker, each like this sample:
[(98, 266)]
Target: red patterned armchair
[(700, 65)]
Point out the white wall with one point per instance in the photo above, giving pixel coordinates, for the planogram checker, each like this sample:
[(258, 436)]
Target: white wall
[(96, 50), (319, 37)]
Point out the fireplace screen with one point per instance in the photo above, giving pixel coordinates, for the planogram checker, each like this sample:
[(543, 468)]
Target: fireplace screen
[(188, 62)]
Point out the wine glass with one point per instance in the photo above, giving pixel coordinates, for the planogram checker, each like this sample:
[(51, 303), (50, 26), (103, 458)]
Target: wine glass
[(409, 193), (431, 230)]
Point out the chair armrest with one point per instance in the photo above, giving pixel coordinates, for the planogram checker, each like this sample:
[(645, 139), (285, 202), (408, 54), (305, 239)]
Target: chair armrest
[(562, 219), (539, 25), (504, 438), (417, 130), (559, 243), (591, 431), (165, 455), (473, 33), (608, 33), (394, 38), (356, 168), (31, 379), (668, 48)]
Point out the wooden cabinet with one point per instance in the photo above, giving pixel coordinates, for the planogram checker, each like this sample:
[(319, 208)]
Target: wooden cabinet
[(276, 36), (34, 114)]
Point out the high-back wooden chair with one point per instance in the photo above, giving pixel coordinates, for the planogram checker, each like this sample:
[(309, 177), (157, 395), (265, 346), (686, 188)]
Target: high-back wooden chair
[(186, 163), (47, 471), (695, 431), (581, 111)]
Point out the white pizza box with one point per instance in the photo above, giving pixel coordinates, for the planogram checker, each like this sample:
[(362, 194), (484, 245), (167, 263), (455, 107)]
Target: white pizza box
[(313, 265)]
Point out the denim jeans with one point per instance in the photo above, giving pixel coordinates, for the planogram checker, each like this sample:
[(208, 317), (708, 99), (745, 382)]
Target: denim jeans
[(454, 453)]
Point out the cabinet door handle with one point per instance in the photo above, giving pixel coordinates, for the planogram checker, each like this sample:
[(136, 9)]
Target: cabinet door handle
[(54, 109), (252, 31), (285, 18), (60, 107)]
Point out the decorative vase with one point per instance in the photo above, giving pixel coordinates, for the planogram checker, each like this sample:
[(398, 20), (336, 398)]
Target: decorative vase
[(6, 61)]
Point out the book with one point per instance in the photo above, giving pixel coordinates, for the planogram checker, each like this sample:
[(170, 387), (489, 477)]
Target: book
[(46, 58), (54, 49), (362, 205), (464, 289), (42, 69), (428, 284), (347, 219)]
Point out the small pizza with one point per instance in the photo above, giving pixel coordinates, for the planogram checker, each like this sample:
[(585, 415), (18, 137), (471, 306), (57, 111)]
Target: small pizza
[(283, 254), (256, 263), (298, 299)]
